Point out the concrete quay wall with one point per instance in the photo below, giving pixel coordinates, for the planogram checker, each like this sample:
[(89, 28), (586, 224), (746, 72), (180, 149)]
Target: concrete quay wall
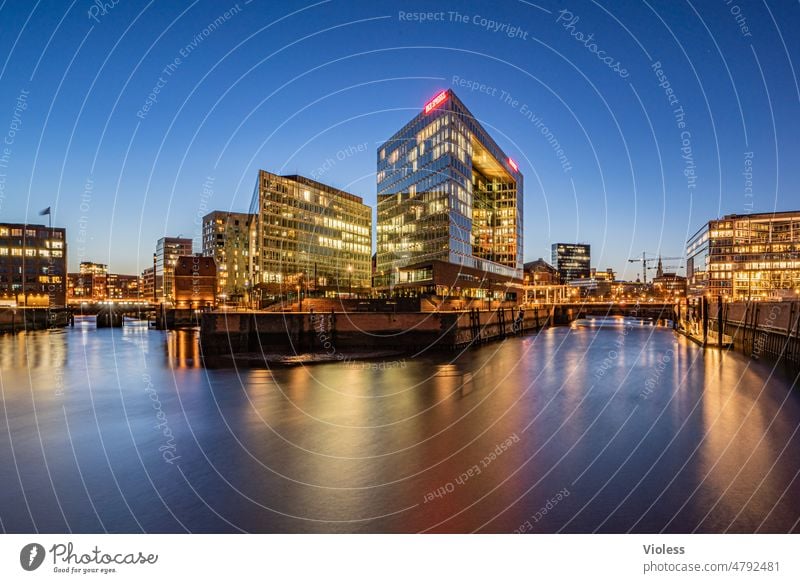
[(768, 330), (225, 333), (19, 319)]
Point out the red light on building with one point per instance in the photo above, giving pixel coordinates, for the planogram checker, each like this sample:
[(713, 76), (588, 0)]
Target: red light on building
[(513, 165), (436, 101)]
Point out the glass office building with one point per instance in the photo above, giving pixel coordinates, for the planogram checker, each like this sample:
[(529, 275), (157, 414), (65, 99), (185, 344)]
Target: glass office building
[(447, 196), (309, 236), (572, 260), (755, 256)]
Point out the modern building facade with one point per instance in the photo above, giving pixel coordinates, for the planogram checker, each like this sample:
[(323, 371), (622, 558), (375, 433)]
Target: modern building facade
[(448, 196), (124, 287), (226, 238), (89, 284), (308, 237), (83, 287), (168, 250), (572, 260), (33, 265), (148, 281), (742, 257)]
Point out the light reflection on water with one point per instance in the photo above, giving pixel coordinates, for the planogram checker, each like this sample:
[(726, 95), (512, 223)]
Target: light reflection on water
[(619, 321), (645, 431)]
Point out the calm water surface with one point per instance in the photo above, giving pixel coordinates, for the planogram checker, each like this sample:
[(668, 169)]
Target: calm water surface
[(592, 428)]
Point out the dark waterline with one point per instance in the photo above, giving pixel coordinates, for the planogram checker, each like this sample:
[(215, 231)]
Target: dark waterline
[(592, 428)]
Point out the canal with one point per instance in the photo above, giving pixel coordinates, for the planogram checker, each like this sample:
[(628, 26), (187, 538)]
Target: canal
[(612, 426)]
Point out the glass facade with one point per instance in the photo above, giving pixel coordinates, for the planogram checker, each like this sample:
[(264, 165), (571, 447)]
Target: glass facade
[(746, 256), (307, 234), (446, 192), (572, 260)]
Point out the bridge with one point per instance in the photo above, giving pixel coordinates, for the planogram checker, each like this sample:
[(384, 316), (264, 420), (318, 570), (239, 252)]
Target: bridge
[(111, 314), (656, 309)]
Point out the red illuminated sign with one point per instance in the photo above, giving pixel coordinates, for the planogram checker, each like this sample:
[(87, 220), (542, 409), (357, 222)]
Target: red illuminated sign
[(436, 101), (513, 165)]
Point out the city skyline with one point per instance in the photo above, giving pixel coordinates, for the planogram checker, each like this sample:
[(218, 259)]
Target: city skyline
[(334, 267), (86, 144)]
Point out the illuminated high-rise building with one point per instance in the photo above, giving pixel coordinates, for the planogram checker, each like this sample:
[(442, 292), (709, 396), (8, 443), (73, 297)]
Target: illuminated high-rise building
[(226, 238), (310, 237), (449, 208), (572, 260), (755, 256)]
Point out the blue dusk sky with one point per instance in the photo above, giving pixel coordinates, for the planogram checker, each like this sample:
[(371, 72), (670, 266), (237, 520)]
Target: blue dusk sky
[(633, 122)]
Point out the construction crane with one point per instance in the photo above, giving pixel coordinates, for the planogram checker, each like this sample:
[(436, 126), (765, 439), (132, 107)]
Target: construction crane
[(645, 260)]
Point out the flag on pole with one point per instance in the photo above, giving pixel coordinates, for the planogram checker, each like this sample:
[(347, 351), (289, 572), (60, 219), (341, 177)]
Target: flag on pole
[(44, 212)]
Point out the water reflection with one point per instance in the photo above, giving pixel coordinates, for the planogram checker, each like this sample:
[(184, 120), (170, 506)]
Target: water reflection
[(648, 433), (183, 349), (617, 321), (28, 350)]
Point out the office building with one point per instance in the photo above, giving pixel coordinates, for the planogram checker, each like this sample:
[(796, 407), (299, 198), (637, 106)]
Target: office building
[(608, 275), (226, 238), (89, 284), (168, 250), (147, 283), (449, 208), (33, 265), (308, 237), (741, 257), (125, 287), (669, 284), (572, 260), (93, 283)]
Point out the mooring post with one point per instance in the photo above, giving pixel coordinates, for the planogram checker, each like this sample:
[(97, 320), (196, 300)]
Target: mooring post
[(719, 320)]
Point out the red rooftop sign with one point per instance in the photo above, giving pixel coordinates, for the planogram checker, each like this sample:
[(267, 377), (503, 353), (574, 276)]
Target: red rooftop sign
[(436, 101), (513, 165)]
